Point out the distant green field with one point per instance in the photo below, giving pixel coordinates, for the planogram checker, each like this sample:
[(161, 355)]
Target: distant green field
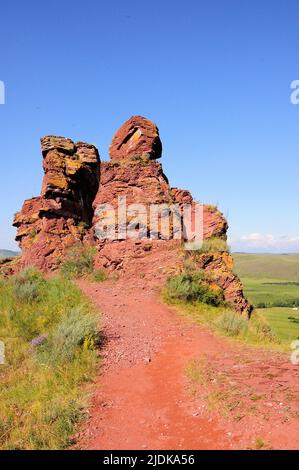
[(269, 280), (271, 292), (7, 253), (284, 322), (264, 266), (272, 281)]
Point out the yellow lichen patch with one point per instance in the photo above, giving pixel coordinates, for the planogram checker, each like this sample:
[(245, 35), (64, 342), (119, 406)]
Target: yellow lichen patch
[(72, 166), (59, 142), (21, 219), (34, 237), (24, 231), (55, 160), (69, 240), (108, 215), (214, 287), (228, 260), (75, 233), (58, 182), (27, 243), (136, 135)]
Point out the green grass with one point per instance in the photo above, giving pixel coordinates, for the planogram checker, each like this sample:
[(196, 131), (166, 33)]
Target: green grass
[(191, 287), (210, 245), (269, 280), (79, 262), (8, 253), (50, 332), (272, 282), (271, 292), (267, 266), (284, 322), (232, 324), (223, 321), (196, 295), (98, 275)]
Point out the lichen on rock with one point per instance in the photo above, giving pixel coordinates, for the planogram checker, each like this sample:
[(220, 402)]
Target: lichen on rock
[(52, 222)]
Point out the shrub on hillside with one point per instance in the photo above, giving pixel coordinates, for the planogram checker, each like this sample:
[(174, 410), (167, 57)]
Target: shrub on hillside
[(28, 285), (98, 275), (79, 262), (76, 330), (191, 287), (286, 303), (213, 245), (263, 329), (232, 324)]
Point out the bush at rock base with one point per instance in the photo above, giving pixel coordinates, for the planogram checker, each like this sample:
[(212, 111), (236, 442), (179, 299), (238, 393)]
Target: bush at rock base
[(79, 262), (28, 285), (192, 287), (232, 324), (75, 330)]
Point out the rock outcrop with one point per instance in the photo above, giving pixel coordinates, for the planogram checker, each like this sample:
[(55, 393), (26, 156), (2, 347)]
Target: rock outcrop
[(60, 217), (220, 266), (137, 137), (85, 201)]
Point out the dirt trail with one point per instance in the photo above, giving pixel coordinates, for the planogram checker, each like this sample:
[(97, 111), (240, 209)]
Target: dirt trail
[(143, 397)]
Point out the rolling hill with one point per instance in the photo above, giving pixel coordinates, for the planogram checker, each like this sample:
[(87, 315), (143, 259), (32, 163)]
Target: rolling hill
[(270, 266), (8, 253)]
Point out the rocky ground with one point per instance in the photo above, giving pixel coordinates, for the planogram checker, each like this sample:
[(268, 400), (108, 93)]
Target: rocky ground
[(166, 383)]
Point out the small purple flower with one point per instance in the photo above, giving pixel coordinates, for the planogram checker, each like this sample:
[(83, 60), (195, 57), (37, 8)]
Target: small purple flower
[(35, 342)]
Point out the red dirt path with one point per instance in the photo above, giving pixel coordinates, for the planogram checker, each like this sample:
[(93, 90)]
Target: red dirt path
[(143, 397)]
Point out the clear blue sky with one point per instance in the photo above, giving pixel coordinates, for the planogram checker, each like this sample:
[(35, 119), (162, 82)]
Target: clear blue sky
[(215, 77)]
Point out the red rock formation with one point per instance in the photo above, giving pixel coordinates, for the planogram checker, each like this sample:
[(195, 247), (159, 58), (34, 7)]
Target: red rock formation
[(219, 265), (52, 222), (74, 206), (214, 225), (133, 173)]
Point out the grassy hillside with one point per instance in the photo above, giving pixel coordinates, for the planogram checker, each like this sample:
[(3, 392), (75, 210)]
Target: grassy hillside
[(7, 253), (49, 331), (271, 282), (267, 266), (271, 292), (284, 322)]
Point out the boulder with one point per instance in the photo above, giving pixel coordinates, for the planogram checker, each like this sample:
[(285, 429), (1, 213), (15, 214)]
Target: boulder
[(137, 137)]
